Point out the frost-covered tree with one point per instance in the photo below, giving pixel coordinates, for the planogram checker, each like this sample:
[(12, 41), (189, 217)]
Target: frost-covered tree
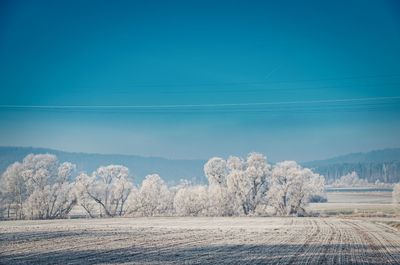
[(291, 188), (191, 201), (51, 193), (38, 169), (13, 190), (396, 195), (258, 172), (215, 171), (351, 180), (153, 198), (219, 203), (108, 187), (218, 198), (60, 195), (238, 185), (247, 182), (39, 187), (3, 206), (83, 194)]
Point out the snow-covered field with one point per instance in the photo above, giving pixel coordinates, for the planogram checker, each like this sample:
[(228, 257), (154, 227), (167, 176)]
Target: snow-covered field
[(198, 240), (355, 203)]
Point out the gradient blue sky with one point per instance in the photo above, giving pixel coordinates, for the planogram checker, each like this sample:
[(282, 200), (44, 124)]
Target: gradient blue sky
[(191, 79)]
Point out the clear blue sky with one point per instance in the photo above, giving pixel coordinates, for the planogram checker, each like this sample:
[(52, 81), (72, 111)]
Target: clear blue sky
[(191, 79)]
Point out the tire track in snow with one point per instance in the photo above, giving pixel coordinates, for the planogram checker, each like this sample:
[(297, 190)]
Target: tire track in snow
[(200, 240)]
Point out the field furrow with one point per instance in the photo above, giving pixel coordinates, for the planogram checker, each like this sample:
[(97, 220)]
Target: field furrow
[(199, 241)]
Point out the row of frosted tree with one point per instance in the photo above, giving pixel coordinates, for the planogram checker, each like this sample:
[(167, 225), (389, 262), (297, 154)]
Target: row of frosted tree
[(40, 187)]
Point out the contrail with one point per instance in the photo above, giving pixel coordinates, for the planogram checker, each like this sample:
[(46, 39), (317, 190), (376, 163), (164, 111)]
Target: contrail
[(273, 71), (249, 104)]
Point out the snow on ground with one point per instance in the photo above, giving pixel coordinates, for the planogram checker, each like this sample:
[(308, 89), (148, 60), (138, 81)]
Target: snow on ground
[(189, 240)]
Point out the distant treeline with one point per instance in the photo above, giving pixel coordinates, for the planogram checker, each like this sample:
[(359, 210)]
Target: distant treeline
[(388, 172)]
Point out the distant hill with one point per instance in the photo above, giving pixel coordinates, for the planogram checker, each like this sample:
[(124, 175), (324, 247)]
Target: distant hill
[(382, 165), (170, 170)]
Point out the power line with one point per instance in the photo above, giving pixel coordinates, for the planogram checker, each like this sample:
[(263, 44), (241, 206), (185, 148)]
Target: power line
[(214, 105)]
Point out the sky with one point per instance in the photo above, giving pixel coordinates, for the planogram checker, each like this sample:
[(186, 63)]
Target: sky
[(300, 80)]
